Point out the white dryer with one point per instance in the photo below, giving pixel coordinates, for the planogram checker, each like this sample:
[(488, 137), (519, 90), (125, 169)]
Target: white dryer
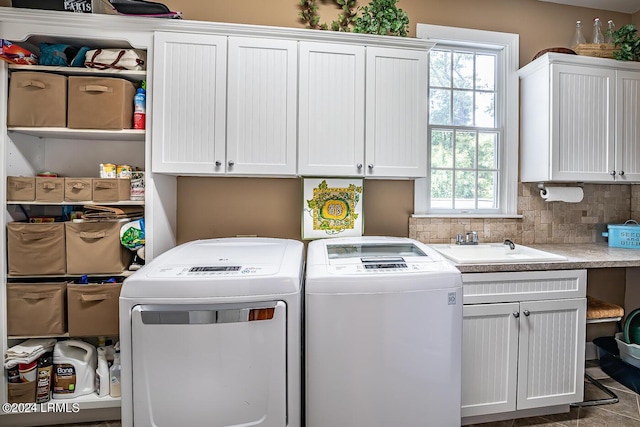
[(210, 335), (383, 334)]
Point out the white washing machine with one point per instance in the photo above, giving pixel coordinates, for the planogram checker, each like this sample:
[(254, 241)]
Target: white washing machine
[(383, 334), (210, 335)]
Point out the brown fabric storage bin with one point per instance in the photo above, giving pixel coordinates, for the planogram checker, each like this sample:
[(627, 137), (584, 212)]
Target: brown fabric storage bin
[(36, 309), (78, 189), (95, 248), (93, 309), (21, 392), (50, 190), (111, 189), (21, 188), (36, 248), (37, 99), (100, 103)]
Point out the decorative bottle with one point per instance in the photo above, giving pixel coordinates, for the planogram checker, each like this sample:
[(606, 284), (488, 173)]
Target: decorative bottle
[(578, 36), (608, 38), (598, 37)]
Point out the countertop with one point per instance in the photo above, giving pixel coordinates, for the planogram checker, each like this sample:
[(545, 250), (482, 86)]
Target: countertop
[(579, 256)]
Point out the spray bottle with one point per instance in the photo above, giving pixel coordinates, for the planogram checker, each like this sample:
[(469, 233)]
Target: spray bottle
[(102, 373), (114, 374)]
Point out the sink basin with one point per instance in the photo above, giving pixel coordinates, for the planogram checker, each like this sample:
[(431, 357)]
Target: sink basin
[(485, 253)]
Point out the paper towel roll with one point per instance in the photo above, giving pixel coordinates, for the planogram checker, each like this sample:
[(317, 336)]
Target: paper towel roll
[(562, 194)]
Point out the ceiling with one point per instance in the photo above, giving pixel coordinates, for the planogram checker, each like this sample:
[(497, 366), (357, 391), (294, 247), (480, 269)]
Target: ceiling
[(623, 6)]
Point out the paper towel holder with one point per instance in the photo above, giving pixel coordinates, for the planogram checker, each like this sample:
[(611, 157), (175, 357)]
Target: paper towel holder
[(544, 190)]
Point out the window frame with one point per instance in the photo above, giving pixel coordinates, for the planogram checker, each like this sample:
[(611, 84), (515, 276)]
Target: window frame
[(507, 45)]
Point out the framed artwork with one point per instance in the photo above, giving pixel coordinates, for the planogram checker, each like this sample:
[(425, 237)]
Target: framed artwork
[(332, 207)]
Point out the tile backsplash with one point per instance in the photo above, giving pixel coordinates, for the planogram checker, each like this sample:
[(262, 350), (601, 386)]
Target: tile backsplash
[(541, 222)]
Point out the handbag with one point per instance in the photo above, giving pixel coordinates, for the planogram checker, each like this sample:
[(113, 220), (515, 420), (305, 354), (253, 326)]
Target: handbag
[(117, 59), (57, 54)]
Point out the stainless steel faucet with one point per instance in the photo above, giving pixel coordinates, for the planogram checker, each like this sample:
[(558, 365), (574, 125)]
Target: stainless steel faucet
[(470, 238), (512, 245)]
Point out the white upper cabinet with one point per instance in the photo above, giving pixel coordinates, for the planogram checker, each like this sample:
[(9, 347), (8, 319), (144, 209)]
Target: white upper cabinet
[(227, 105), (332, 109), (261, 106), (189, 103), (269, 102), (362, 111), (628, 126), (580, 120), (396, 106)]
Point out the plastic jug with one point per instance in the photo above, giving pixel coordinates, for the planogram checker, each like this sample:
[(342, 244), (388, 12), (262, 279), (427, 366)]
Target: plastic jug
[(74, 369)]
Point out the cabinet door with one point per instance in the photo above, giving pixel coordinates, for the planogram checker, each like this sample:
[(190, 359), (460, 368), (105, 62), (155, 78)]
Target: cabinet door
[(189, 102), (628, 126), (582, 111), (331, 111), (551, 356), (489, 358), (261, 106), (396, 95)]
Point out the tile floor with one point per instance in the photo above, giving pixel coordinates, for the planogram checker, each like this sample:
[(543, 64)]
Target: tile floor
[(625, 413)]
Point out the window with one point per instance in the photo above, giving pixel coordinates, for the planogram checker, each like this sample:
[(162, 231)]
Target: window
[(472, 123)]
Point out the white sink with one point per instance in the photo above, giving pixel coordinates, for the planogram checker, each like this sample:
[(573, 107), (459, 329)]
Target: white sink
[(485, 253)]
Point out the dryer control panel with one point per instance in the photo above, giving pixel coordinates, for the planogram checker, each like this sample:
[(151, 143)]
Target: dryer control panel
[(212, 271)]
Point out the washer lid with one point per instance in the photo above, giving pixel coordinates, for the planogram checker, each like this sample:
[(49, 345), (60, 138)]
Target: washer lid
[(373, 250)]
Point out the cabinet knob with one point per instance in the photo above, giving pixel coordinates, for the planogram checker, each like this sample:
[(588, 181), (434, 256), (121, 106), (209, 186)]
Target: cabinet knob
[(231, 163), (218, 163), (359, 166), (516, 314), (370, 165), (621, 173), (612, 173), (526, 313)]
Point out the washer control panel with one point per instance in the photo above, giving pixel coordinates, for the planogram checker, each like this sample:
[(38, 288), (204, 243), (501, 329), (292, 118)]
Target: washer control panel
[(379, 266)]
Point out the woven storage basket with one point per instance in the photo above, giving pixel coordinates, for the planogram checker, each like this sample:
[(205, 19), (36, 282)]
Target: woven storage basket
[(596, 50)]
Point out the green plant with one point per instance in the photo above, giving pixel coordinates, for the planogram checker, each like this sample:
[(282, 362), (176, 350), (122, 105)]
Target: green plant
[(382, 17), (309, 14), (626, 38)]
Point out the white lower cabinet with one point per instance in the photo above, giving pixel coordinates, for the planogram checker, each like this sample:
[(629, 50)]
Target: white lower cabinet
[(523, 341)]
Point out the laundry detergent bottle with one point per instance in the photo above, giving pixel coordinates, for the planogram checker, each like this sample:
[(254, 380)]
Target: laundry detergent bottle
[(74, 369)]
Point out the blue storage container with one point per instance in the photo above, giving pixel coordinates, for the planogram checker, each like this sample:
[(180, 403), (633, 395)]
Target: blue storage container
[(625, 235)]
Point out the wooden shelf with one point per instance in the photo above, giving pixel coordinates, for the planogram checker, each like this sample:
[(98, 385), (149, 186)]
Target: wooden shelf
[(81, 71), (92, 401), (121, 203), (26, 337), (125, 273), (88, 134)]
